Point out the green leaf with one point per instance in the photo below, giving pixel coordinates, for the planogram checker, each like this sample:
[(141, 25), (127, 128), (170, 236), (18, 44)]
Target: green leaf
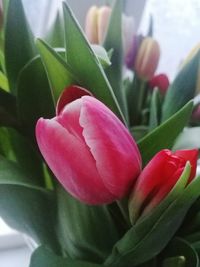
[(19, 45), (3, 82), (59, 73), (86, 232), (8, 110), (55, 36), (113, 40), (182, 252), (188, 139), (155, 110), (85, 64), (102, 55), (138, 132), (163, 222), (27, 156), (12, 174), (5, 146), (25, 207), (43, 257), (34, 97), (183, 88), (164, 135)]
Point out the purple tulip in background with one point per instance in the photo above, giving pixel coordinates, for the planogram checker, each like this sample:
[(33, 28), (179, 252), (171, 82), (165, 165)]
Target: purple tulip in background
[(90, 151)]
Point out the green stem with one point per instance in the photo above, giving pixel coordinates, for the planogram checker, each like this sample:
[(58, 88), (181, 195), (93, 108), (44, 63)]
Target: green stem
[(123, 206)]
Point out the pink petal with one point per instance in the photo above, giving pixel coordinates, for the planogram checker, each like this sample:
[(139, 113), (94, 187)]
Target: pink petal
[(114, 150), (71, 162)]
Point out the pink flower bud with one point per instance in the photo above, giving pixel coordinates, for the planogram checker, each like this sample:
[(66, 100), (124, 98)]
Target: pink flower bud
[(90, 151), (158, 178), (160, 81), (147, 58)]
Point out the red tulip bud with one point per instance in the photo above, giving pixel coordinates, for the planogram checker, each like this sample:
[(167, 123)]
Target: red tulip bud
[(161, 81), (158, 178)]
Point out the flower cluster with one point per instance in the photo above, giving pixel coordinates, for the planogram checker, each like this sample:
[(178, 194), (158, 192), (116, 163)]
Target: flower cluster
[(98, 151)]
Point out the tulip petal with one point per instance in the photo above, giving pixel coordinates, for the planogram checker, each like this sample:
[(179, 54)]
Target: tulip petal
[(91, 25), (69, 118), (70, 94), (71, 162), (192, 156), (114, 150), (103, 19)]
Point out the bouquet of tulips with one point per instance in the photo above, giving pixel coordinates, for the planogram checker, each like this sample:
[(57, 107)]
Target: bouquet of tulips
[(99, 155)]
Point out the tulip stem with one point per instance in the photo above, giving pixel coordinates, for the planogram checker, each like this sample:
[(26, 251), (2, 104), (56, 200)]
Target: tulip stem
[(123, 206)]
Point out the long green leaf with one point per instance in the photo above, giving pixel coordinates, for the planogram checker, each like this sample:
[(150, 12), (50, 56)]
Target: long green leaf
[(8, 110), (27, 156), (28, 210), (12, 174), (85, 64), (58, 71), (34, 97), (113, 40), (86, 232), (183, 87), (155, 110), (19, 44), (164, 135), (55, 35), (43, 257)]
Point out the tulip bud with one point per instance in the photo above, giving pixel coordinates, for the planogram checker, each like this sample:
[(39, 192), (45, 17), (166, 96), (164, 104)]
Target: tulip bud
[(91, 25), (102, 22), (96, 25), (158, 178), (131, 55), (90, 151), (196, 114), (160, 81), (147, 58)]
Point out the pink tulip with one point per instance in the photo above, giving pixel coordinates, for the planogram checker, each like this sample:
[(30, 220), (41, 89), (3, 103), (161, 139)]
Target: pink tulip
[(147, 58), (158, 178), (90, 151), (160, 81)]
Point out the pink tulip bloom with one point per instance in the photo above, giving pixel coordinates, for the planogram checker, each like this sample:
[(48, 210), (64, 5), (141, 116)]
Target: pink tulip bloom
[(158, 178), (90, 151)]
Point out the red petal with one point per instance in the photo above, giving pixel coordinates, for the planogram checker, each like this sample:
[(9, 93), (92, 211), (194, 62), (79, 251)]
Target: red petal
[(70, 94)]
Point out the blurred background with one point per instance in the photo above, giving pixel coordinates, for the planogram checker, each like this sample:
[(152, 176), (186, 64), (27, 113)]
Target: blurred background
[(176, 28)]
